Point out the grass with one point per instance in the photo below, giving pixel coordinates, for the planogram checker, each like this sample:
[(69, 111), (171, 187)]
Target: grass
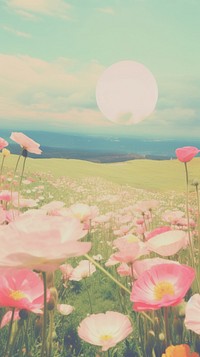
[(151, 175)]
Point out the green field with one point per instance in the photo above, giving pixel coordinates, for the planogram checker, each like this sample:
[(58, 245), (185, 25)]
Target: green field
[(146, 174)]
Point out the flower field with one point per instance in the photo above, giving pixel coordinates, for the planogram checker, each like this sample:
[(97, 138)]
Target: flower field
[(98, 262)]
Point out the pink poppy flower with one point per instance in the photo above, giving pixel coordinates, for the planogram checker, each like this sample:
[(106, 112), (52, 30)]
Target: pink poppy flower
[(41, 242), (24, 202), (140, 266), (130, 248), (3, 143), (22, 289), (83, 270), (7, 317), (84, 212), (111, 261), (65, 309), (168, 243), (2, 215), (156, 231), (7, 196), (172, 216), (26, 143), (192, 314), (146, 206), (186, 153), (162, 285), (124, 269), (66, 270), (105, 330)]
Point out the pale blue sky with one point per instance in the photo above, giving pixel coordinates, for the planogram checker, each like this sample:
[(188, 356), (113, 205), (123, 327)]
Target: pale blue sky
[(53, 51)]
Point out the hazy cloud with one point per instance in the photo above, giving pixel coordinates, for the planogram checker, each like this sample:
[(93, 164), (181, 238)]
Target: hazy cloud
[(106, 10), (57, 8), (15, 32)]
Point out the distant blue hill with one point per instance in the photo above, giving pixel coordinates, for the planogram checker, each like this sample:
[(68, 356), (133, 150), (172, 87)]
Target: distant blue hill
[(101, 148)]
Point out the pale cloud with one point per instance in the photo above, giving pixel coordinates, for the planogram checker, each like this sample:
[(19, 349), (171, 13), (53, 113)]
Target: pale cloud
[(61, 93), (41, 91), (57, 8), (106, 10), (15, 32)]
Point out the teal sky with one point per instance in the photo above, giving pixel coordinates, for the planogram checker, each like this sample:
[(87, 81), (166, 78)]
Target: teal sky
[(53, 51)]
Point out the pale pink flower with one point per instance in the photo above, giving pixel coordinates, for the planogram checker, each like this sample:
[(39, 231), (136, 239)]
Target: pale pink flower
[(168, 243), (12, 215), (105, 330), (3, 143), (172, 217), (145, 206), (52, 207), (66, 270), (26, 143), (8, 196), (24, 202), (192, 314), (140, 266), (22, 289), (184, 222), (162, 285), (156, 231), (65, 309), (83, 270), (7, 317), (130, 248), (111, 261), (83, 212), (2, 215), (124, 270), (186, 153), (41, 242)]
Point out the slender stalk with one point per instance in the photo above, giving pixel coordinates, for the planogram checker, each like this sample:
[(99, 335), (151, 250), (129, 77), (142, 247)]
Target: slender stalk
[(44, 326), (22, 173), (166, 320), (1, 170), (20, 324), (198, 225), (88, 294), (9, 332), (51, 325), (115, 280), (188, 223), (107, 273)]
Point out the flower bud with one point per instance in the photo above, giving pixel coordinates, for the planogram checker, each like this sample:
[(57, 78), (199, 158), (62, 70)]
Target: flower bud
[(150, 342), (5, 152)]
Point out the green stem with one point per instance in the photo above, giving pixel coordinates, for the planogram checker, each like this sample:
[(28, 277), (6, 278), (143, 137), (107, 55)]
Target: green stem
[(9, 332), (20, 324), (1, 170), (22, 173), (51, 325), (44, 326), (188, 223), (115, 280), (88, 294), (167, 336), (198, 225), (15, 170)]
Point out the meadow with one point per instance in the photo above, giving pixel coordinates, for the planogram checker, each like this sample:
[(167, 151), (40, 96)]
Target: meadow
[(136, 217)]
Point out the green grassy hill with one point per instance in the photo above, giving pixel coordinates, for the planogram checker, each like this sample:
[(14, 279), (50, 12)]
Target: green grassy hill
[(146, 174)]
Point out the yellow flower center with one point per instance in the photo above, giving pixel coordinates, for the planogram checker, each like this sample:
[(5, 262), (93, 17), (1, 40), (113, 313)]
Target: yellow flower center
[(163, 288), (132, 239), (17, 295), (106, 338)]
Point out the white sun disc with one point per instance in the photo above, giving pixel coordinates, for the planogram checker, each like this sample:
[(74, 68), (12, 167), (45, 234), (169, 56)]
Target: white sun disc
[(126, 92)]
